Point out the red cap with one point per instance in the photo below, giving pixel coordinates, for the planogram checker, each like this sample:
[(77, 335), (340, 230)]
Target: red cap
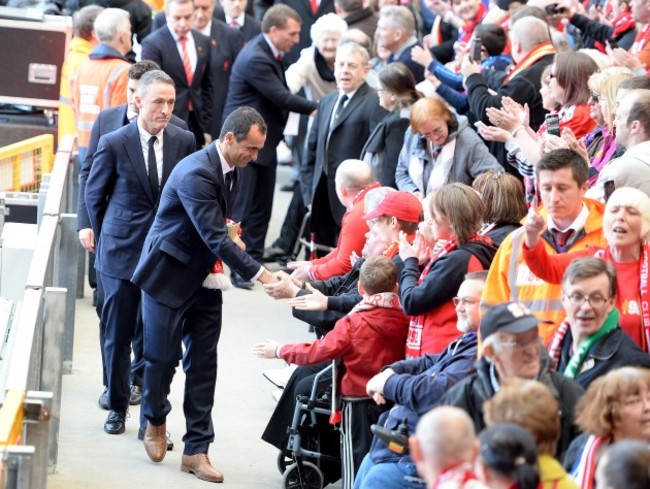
[(403, 205)]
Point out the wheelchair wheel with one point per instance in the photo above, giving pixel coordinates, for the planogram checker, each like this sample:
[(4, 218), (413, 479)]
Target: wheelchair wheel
[(283, 461), (312, 477)]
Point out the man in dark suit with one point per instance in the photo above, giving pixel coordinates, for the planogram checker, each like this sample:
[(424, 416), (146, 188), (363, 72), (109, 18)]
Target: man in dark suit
[(184, 54), (130, 166), (532, 50), (233, 13), (396, 32), (110, 120), (187, 236), (257, 80), (344, 121)]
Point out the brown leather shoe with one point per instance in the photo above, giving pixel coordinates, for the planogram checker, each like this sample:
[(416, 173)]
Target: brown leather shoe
[(155, 441), (200, 466)]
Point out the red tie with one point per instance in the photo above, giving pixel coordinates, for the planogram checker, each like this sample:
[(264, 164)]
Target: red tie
[(279, 58), (189, 74), (314, 6)]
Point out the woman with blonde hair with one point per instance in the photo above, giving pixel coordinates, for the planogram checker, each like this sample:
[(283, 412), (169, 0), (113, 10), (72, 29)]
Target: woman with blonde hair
[(615, 407)]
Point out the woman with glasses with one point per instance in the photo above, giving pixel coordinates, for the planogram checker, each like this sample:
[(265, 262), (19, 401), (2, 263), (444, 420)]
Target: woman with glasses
[(626, 225), (615, 407), (397, 93), (440, 148)]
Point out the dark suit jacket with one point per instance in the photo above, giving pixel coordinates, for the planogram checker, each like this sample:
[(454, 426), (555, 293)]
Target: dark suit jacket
[(120, 202), (405, 57), (109, 120), (524, 88), (159, 46), (250, 29), (257, 80), (348, 135), (226, 43), (303, 7), (189, 233)]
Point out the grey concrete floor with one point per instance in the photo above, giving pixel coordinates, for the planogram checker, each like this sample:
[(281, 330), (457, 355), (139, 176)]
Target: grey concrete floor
[(90, 458)]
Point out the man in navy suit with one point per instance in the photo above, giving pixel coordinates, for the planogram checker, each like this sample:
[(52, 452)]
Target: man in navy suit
[(184, 54), (233, 13), (257, 80), (396, 32), (188, 235), (130, 167), (107, 121), (344, 122)]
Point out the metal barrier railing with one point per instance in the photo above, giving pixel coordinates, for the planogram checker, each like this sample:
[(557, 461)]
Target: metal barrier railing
[(23, 164), (39, 339)]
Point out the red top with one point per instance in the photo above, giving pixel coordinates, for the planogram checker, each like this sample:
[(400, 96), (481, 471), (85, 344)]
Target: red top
[(365, 340), (351, 238), (641, 46)]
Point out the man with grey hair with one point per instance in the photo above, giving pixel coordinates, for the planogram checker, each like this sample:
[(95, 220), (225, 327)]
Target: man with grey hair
[(357, 16), (344, 121), (444, 447), (632, 169), (512, 348), (532, 50), (101, 82), (396, 32), (129, 170)]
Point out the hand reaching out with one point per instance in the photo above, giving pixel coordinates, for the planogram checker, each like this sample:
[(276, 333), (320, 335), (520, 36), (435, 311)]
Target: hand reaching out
[(421, 56), (316, 301), (300, 269), (265, 349)]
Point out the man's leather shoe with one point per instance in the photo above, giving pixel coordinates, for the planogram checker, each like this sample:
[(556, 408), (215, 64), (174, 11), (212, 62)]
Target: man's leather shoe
[(114, 424), (155, 441), (170, 443), (240, 282), (200, 466), (103, 400), (136, 395), (274, 253)]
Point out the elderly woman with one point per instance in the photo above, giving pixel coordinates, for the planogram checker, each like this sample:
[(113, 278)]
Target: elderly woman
[(505, 205), (615, 407), (531, 404), (440, 148), (456, 217), (397, 93), (626, 225)]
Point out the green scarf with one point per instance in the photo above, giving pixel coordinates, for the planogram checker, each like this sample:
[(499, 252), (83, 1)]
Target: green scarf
[(575, 363)]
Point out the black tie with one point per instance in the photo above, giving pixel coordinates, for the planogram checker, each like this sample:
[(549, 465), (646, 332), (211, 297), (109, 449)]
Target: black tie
[(153, 167), (339, 107), (230, 179)]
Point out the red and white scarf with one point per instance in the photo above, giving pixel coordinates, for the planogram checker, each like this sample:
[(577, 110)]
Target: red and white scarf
[(468, 27), (385, 300), (585, 470), (621, 25), (530, 59), (217, 279)]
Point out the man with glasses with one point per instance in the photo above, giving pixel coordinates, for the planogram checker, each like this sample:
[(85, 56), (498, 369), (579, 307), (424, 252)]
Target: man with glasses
[(512, 348), (416, 386), (590, 342)]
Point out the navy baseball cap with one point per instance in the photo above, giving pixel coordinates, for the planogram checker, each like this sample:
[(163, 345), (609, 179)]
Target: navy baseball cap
[(510, 317)]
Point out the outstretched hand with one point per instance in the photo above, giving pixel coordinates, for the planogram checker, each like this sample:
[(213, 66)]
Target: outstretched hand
[(534, 225), (265, 349), (316, 301)]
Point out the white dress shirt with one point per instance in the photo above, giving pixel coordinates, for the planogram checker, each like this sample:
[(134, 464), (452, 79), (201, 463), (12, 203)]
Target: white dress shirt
[(190, 45), (157, 147)]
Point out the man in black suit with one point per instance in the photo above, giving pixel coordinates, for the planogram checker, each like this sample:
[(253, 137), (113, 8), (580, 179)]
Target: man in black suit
[(130, 167), (184, 54), (257, 80), (233, 13), (344, 121), (396, 32), (187, 236), (107, 121)]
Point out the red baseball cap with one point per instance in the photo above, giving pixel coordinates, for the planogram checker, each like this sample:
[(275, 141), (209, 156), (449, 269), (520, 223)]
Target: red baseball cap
[(402, 205)]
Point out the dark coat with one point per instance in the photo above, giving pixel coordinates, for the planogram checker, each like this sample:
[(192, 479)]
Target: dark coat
[(249, 30), (386, 142)]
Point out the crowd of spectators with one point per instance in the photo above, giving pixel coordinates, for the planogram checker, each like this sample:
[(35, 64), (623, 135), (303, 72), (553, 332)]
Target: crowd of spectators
[(481, 173)]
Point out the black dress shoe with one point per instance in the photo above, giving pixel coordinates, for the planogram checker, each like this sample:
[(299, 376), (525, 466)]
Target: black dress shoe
[(240, 282), (103, 400), (136, 395), (273, 254), (170, 443), (114, 424)]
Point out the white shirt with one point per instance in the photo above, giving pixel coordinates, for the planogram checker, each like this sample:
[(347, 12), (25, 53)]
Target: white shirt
[(276, 51), (157, 147), (240, 20), (577, 225), (207, 29), (190, 46)]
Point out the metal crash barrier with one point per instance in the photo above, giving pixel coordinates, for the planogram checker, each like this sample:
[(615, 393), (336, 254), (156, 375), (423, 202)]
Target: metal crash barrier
[(38, 334)]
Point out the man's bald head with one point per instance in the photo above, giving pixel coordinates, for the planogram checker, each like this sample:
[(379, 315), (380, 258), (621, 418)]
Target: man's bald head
[(446, 436), (354, 175), (530, 32)]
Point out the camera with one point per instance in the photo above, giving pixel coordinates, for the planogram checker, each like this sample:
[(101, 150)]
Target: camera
[(554, 9), (475, 49), (553, 125)]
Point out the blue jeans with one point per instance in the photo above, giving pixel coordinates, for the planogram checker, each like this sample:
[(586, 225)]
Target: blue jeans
[(396, 475)]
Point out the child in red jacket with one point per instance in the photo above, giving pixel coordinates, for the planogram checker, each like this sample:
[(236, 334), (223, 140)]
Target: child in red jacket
[(370, 336)]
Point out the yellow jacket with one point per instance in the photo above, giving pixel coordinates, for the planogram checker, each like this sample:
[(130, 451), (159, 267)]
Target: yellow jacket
[(77, 55), (552, 475), (510, 279)]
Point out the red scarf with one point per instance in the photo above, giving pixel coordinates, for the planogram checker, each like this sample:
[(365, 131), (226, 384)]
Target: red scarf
[(585, 470), (530, 59), (621, 25), (468, 27)]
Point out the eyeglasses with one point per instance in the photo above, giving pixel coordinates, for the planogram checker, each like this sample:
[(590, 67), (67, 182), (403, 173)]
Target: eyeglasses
[(465, 301), (436, 132), (521, 344), (577, 300)]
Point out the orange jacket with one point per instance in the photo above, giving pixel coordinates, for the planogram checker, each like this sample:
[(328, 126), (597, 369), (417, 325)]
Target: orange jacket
[(78, 54), (510, 279)]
